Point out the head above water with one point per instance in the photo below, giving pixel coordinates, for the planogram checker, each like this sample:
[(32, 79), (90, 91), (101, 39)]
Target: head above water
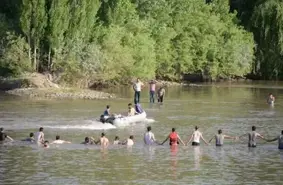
[(108, 107), (102, 134), (253, 128), (219, 131), (131, 137), (149, 128), (129, 105), (86, 139), (173, 129), (31, 134), (116, 138), (1, 129), (40, 129), (57, 137), (196, 127)]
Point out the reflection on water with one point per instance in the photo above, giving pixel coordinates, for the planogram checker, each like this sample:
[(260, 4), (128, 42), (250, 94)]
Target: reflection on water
[(231, 108)]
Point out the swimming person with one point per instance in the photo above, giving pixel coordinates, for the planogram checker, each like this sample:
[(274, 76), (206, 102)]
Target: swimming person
[(173, 138), (129, 141), (196, 136), (88, 141), (131, 111), (252, 137), (152, 85), (30, 138), (138, 108), (116, 141), (270, 99), (219, 138), (39, 136), (4, 136), (149, 138), (59, 141), (45, 144), (280, 140), (137, 88), (160, 94)]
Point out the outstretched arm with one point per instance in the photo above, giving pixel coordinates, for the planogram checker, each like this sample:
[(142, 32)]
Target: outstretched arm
[(190, 138), (165, 140), (211, 140), (181, 140), (229, 137), (10, 138), (204, 140), (271, 140), (242, 135)]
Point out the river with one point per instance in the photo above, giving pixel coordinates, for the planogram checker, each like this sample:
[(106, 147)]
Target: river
[(228, 106)]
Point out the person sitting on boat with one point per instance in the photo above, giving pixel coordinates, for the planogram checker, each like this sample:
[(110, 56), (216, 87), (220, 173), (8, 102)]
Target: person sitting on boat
[(107, 111), (138, 108), (270, 99), (132, 110)]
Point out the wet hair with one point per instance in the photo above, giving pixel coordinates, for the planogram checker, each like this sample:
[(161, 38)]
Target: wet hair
[(108, 106), (1, 129), (102, 134), (196, 127), (149, 128), (173, 129), (31, 134), (116, 138), (129, 104), (40, 129), (46, 142), (131, 137), (57, 137), (219, 131), (253, 128), (86, 139)]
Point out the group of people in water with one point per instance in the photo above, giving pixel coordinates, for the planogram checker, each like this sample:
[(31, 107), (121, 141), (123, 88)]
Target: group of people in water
[(138, 85), (149, 139)]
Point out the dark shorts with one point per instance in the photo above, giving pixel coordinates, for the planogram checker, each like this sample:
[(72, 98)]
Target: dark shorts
[(218, 145), (195, 144), (252, 146)]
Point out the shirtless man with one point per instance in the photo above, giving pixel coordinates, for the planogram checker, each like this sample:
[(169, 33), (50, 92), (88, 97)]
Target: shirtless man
[(59, 141), (39, 136), (280, 140), (196, 136), (219, 138), (252, 137), (104, 142)]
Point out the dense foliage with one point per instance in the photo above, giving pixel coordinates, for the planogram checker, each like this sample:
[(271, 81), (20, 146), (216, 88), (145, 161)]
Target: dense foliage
[(115, 40)]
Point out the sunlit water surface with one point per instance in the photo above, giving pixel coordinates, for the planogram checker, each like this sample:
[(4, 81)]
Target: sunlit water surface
[(233, 108)]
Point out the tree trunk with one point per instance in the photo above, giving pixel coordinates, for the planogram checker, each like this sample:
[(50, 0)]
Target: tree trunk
[(49, 60), (34, 57), (29, 51)]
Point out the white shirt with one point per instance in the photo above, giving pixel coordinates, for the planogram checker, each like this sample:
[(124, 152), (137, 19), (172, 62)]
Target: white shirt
[(39, 137), (138, 86), (149, 138), (196, 136), (130, 142), (116, 142)]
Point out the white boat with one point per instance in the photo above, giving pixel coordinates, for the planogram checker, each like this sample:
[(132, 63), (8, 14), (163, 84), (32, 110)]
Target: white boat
[(124, 121)]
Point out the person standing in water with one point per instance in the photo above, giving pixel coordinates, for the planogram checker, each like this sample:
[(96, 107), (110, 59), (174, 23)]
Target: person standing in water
[(104, 142), (149, 138), (152, 85), (137, 88), (39, 136), (59, 141), (4, 136), (252, 137), (160, 94), (219, 138), (271, 99), (174, 138), (196, 136), (129, 141), (280, 140), (116, 141)]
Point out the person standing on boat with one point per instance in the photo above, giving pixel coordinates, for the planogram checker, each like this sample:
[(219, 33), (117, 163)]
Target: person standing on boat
[(196, 136), (174, 138), (138, 108), (152, 85), (160, 94), (219, 138), (271, 99), (280, 140), (137, 88)]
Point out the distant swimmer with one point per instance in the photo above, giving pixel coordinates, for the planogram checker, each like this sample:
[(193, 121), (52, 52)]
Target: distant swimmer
[(219, 138), (39, 136), (252, 137), (160, 94), (88, 141), (104, 142), (59, 141), (271, 99), (30, 138), (280, 140), (149, 138), (129, 141), (174, 138), (131, 111), (196, 136), (116, 141), (4, 136)]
